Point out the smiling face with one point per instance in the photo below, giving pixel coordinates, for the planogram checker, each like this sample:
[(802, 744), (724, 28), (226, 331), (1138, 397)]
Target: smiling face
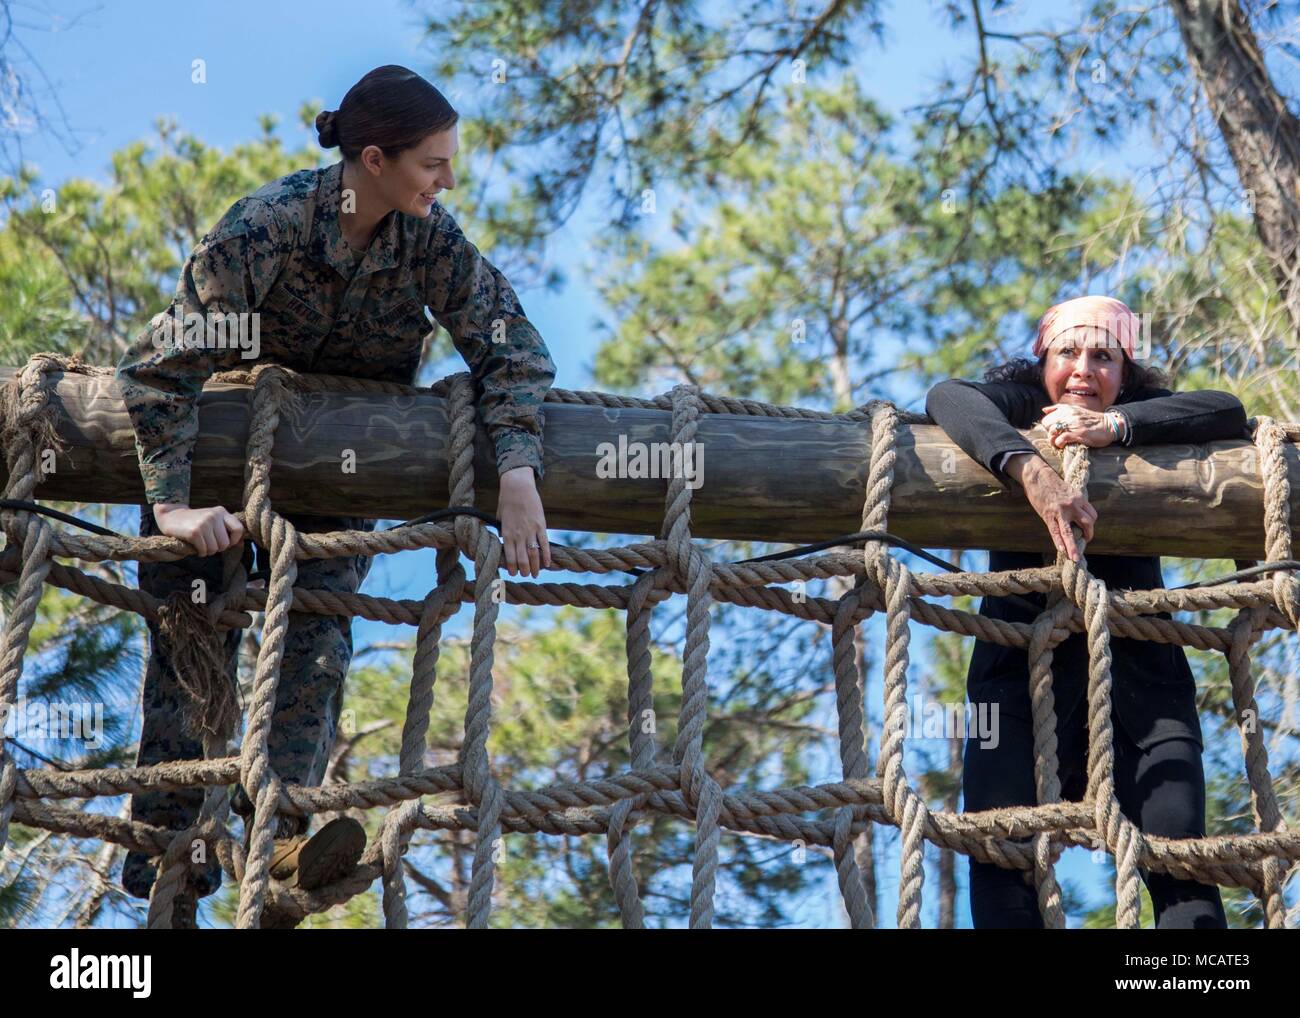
[(1085, 368), (410, 182)]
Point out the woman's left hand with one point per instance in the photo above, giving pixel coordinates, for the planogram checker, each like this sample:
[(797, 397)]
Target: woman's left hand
[(1067, 424), (523, 523)]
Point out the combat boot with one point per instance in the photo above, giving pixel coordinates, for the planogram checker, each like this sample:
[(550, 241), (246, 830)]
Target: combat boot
[(326, 856)]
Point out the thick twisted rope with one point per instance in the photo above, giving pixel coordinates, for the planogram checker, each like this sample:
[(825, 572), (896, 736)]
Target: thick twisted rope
[(481, 788), (901, 800), (399, 823), (1089, 593), (279, 536), (641, 741), (691, 564), (849, 697)]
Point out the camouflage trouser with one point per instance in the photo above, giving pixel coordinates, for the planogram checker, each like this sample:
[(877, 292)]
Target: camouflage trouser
[(309, 696)]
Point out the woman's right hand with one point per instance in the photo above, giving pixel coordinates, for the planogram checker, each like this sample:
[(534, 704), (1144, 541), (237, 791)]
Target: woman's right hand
[(1056, 502), (209, 530)]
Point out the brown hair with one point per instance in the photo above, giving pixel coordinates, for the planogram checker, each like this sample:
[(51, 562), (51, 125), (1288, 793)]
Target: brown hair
[(392, 107), (1137, 376)]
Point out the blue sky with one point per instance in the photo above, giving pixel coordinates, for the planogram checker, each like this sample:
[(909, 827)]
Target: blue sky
[(117, 67)]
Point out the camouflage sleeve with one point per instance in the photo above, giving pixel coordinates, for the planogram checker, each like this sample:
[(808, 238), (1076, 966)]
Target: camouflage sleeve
[(162, 373), (507, 358)]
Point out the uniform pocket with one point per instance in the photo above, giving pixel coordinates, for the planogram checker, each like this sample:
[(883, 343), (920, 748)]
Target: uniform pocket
[(292, 331), (405, 314), (285, 306), (388, 343)]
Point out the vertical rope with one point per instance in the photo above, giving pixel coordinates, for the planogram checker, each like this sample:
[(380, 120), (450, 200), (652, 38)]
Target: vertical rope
[(218, 723), (1049, 629), (28, 418), (17, 630), (174, 866), (640, 700), (1089, 593), (902, 802), (849, 696), (1269, 439), (481, 788), (692, 565), (399, 822), (272, 531), (850, 684)]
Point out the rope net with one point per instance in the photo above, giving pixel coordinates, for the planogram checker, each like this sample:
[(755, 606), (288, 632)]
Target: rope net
[(679, 784)]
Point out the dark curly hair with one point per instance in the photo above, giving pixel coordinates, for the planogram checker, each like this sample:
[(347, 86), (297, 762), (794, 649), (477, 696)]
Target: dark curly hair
[(1137, 376)]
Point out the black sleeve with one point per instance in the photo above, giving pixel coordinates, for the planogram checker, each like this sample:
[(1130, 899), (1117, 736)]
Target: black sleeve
[(1157, 416), (982, 417)]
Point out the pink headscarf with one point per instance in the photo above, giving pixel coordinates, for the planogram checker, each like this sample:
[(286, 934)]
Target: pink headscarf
[(1103, 312)]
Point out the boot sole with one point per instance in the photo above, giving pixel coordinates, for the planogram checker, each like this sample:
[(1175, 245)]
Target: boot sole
[(331, 853)]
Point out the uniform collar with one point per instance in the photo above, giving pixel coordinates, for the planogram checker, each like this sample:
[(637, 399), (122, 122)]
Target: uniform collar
[(327, 244)]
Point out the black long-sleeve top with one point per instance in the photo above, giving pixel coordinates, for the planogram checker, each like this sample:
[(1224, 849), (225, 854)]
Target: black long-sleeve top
[(1153, 688)]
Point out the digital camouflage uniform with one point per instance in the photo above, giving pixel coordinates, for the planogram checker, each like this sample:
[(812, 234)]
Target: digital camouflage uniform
[(280, 252)]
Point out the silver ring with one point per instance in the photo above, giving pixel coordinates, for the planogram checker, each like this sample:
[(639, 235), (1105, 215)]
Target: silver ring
[(534, 546), (1060, 426)]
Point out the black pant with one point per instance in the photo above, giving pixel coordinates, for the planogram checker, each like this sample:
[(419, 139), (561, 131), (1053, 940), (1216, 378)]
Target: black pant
[(1161, 789)]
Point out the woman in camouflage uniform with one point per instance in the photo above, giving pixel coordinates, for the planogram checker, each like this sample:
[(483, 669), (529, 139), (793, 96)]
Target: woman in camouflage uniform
[(340, 264)]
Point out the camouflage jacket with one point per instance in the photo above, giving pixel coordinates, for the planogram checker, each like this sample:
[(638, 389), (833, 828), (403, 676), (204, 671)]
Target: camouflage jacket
[(279, 253)]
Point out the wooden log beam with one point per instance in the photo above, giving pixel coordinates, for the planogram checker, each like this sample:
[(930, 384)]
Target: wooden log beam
[(770, 479)]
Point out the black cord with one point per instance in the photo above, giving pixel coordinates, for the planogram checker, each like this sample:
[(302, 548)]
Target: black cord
[(863, 535), (888, 538), (19, 503), (442, 514), (1282, 565)]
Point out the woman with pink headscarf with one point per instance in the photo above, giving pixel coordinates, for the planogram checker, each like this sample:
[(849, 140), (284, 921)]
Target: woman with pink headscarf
[(1083, 385)]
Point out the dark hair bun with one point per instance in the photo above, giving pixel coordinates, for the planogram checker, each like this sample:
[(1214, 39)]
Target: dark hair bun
[(327, 128), (392, 108)]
